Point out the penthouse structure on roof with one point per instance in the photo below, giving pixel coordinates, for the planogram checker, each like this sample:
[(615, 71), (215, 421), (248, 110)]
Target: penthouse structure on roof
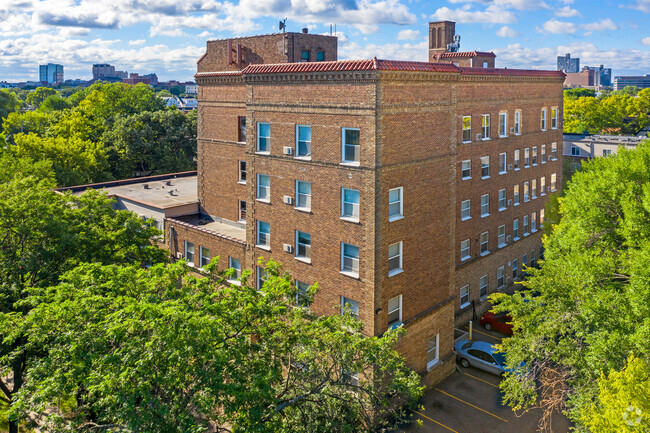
[(408, 190)]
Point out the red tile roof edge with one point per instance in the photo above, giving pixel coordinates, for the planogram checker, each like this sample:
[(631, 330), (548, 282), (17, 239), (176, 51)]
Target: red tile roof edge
[(465, 54), (511, 72), (218, 74)]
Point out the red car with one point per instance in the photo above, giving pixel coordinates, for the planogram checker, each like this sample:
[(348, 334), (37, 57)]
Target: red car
[(498, 322)]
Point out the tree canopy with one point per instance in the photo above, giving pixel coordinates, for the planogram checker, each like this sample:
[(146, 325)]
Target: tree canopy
[(593, 305), (8, 104)]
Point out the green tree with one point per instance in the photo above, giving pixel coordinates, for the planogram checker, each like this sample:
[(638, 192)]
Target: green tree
[(627, 90), (29, 121), (54, 103), (8, 104), (623, 402), (164, 93), (40, 94), (74, 161), (44, 234), (593, 307), (579, 92), (158, 350), (160, 142)]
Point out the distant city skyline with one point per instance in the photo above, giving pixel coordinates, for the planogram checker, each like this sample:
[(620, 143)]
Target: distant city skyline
[(167, 37)]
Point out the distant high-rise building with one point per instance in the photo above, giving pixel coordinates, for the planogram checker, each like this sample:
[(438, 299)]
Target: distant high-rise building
[(51, 73), (567, 64), (640, 81), (602, 76), (105, 71)]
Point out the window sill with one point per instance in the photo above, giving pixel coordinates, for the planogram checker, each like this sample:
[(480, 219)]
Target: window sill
[(395, 325), (462, 259), (503, 136), (395, 218), (303, 259), (263, 247), (503, 172), (241, 221), (351, 163), (395, 272), (485, 139), (517, 133), (534, 164), (554, 128), (354, 275), (303, 209), (262, 152), (542, 194), (501, 209), (516, 204), (527, 166), (241, 182), (517, 169), (515, 239), (234, 282), (466, 178), (433, 364), (466, 142), (263, 200), (465, 305), (483, 298), (485, 253), (350, 220), (485, 177), (534, 197), (502, 245), (526, 234), (485, 215), (534, 231), (543, 129), (543, 162), (303, 157), (466, 218)]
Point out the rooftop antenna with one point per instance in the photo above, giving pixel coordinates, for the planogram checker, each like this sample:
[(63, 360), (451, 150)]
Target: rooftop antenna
[(283, 25)]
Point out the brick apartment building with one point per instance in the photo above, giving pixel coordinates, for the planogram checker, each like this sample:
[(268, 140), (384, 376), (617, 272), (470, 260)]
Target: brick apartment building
[(408, 190)]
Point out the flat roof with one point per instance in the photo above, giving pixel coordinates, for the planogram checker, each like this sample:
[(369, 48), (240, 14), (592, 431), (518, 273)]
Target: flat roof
[(228, 230), (164, 191)]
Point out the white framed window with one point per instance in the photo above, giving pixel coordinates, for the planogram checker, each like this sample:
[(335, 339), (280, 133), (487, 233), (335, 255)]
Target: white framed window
[(502, 163), (242, 172), (503, 124), (395, 259), (303, 245), (464, 249), (262, 276), (433, 351), (515, 229), (515, 269), (485, 127), (541, 217), (351, 306), (467, 129), (263, 187), (526, 157), (302, 294), (607, 152), (543, 154), (303, 141), (349, 259), (263, 234), (533, 188), (501, 238), (515, 195), (502, 199), (234, 264), (485, 243), (542, 185), (483, 287), (485, 167), (526, 192), (395, 312), (350, 204), (533, 259), (543, 119), (205, 256), (263, 137), (554, 118), (464, 296), (554, 150), (303, 195), (553, 181), (534, 155), (189, 253), (501, 277), (465, 210), (485, 205), (242, 211), (395, 204), (350, 145), (516, 163), (525, 225), (467, 169), (524, 262), (533, 222), (575, 151), (517, 122)]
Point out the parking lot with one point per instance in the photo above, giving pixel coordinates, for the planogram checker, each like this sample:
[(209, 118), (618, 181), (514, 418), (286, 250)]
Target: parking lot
[(469, 401)]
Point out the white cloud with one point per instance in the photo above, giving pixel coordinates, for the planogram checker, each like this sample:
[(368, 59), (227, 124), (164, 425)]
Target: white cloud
[(408, 35), (393, 51), (507, 32), (567, 12), (601, 25), (491, 15), (642, 5), (559, 27), (645, 41), (522, 5)]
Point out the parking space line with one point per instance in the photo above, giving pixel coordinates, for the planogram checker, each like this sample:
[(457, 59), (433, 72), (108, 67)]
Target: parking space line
[(470, 404), (431, 419), (487, 335), (482, 380)]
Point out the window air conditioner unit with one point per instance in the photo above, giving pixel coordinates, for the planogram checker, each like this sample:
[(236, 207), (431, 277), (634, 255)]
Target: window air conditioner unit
[(548, 188), (510, 202), (509, 166), (479, 136), (512, 130), (179, 255), (550, 158), (508, 238), (288, 248), (287, 150), (287, 199)]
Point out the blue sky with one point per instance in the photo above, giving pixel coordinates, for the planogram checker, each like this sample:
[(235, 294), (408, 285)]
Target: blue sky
[(168, 36)]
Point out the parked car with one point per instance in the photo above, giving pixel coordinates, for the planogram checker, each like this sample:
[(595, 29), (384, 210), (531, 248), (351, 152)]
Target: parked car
[(500, 322), (481, 355)]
